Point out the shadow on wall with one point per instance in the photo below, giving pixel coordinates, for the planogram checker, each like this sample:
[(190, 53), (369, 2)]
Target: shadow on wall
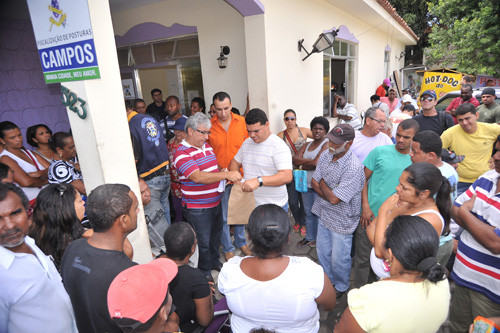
[(25, 99)]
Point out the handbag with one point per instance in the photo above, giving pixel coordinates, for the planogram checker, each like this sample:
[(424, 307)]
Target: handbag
[(300, 177)]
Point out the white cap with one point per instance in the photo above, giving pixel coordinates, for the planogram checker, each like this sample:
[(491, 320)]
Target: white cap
[(406, 99)]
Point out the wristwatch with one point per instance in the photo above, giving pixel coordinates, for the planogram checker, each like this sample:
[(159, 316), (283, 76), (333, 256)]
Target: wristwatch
[(261, 181)]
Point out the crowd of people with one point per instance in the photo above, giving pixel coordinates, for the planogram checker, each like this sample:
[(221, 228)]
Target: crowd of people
[(396, 201)]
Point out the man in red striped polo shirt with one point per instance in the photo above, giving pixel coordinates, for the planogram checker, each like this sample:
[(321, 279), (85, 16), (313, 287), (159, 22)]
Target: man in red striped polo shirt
[(202, 185)]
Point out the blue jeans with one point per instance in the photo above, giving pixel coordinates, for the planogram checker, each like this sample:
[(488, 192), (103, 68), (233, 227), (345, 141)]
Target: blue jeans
[(462, 187), (158, 210), (311, 219), (295, 202), (239, 230), (334, 255), (207, 223)]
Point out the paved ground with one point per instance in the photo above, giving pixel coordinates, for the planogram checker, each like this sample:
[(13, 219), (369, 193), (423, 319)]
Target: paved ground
[(327, 319)]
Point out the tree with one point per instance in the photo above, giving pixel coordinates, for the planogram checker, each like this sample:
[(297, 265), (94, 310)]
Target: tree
[(466, 35), (416, 15)]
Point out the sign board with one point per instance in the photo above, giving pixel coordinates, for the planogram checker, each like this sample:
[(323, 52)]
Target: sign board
[(64, 38), (440, 82), (487, 81)]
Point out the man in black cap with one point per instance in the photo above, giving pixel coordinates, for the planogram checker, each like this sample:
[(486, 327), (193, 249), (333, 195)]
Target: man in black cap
[(429, 118), (489, 111), (338, 181)]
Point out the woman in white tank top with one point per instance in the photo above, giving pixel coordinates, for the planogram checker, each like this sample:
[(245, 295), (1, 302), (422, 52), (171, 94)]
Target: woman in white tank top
[(30, 173), (423, 192)]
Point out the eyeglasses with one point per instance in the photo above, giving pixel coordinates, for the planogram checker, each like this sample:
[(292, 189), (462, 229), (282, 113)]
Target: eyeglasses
[(428, 99), (377, 120), (289, 118), (204, 132)]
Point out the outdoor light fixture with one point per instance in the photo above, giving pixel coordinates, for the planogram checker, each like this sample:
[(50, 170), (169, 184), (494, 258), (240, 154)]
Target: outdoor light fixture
[(403, 53), (324, 41), (222, 59)]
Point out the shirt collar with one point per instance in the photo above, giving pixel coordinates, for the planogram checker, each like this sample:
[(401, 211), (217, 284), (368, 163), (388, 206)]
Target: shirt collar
[(347, 155), (131, 114), (7, 256), (185, 143)]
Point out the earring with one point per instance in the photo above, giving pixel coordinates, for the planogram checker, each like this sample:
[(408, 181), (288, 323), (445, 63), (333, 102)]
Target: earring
[(387, 265), (60, 154)]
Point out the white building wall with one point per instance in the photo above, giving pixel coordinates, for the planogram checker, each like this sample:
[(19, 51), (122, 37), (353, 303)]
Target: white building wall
[(218, 24), (276, 73), (298, 84)]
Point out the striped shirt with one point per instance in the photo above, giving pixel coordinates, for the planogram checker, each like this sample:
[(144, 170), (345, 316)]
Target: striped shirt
[(265, 159), (476, 267), (350, 110), (189, 159)]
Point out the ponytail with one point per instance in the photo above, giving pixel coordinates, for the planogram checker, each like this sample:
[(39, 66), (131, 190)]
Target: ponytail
[(430, 269), (443, 203)]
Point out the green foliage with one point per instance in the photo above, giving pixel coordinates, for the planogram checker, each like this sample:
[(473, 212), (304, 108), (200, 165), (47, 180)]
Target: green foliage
[(466, 35), (416, 15)]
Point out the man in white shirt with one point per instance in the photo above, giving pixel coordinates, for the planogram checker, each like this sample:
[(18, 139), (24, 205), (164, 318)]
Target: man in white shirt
[(346, 112), (32, 297), (370, 136), (266, 162)]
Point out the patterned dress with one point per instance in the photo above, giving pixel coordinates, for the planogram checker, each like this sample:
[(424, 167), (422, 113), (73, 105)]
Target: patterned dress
[(175, 186)]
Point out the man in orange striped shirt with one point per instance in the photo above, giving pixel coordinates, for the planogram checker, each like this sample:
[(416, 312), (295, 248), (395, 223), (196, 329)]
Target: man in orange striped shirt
[(228, 133)]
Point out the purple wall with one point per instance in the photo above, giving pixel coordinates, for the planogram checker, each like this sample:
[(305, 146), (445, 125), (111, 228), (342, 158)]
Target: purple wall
[(25, 99)]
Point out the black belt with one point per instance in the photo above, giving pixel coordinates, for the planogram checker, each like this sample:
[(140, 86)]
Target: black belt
[(160, 172)]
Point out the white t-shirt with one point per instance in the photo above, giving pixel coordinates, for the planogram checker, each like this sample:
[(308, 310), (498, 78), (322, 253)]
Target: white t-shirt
[(363, 145), (266, 159), (284, 304)]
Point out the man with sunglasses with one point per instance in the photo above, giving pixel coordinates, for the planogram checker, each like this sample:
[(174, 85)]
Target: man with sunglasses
[(429, 118), (202, 187)]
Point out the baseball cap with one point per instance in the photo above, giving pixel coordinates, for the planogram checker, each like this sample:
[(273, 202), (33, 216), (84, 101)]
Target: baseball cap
[(387, 82), (406, 99), (139, 291), (450, 156), (431, 93), (340, 134), (488, 91), (180, 124)]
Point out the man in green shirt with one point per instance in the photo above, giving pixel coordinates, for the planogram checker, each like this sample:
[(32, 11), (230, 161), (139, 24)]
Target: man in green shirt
[(489, 111)]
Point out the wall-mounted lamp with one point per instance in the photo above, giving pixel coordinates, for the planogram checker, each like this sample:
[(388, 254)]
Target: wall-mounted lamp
[(222, 59), (401, 55), (324, 41)]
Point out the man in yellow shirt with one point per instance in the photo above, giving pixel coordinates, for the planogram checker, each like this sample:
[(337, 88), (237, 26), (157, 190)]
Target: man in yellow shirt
[(472, 139)]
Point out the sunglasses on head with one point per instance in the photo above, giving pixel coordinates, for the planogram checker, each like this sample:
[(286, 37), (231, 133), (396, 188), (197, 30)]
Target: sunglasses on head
[(289, 118)]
